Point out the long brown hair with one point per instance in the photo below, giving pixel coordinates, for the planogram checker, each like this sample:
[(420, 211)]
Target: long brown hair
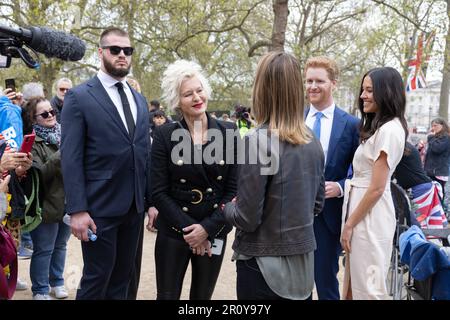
[(278, 97), (389, 95)]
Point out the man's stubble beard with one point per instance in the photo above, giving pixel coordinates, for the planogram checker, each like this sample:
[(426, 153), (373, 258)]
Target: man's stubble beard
[(115, 72)]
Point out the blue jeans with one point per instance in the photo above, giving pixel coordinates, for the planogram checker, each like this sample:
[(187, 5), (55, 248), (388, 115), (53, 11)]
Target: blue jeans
[(25, 240), (49, 256)]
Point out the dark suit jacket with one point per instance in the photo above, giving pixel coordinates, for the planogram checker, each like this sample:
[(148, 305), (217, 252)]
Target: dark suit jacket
[(104, 170), (344, 141), (173, 180)]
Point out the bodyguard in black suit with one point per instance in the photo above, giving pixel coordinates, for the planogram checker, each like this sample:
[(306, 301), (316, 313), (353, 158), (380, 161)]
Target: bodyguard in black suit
[(105, 159), (189, 184)]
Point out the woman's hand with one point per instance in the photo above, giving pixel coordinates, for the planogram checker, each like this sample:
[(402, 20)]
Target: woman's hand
[(152, 215), (4, 183), (346, 238), (11, 160), (195, 235), (204, 247), (14, 97), (24, 165)]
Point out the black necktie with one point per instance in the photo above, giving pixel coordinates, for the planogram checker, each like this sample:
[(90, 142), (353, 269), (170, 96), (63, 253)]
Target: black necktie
[(126, 109)]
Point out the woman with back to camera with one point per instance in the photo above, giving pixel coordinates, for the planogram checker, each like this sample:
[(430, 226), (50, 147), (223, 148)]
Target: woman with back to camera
[(275, 205), (188, 187), (368, 212)]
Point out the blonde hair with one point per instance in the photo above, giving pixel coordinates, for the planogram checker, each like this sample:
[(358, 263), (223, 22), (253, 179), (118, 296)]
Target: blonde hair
[(173, 78), (323, 62), (278, 97)]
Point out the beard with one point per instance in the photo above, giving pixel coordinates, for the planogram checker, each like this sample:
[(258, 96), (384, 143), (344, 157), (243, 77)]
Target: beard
[(114, 71)]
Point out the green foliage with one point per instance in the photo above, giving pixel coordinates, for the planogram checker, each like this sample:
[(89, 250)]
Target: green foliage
[(218, 34)]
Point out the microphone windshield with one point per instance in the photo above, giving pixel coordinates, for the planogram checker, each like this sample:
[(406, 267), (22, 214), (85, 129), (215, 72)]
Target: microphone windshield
[(57, 44)]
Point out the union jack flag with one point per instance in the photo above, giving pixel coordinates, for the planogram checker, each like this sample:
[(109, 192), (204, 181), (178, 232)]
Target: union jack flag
[(416, 75), (429, 212)]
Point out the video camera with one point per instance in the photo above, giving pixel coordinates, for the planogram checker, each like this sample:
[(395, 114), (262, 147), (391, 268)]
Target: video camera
[(241, 112), (43, 40)]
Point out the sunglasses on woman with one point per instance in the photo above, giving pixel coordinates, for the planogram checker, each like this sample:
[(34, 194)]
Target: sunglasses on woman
[(115, 50), (46, 114)]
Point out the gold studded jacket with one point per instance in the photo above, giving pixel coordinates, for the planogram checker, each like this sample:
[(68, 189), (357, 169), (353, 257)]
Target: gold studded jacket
[(190, 182)]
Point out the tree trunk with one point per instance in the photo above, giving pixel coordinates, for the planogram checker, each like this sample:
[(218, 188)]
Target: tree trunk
[(445, 87), (281, 12)]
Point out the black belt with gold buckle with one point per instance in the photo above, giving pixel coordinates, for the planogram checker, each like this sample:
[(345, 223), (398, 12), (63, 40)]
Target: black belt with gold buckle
[(200, 196)]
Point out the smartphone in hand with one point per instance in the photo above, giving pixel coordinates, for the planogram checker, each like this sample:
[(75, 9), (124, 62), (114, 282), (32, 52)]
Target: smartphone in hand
[(10, 84), (217, 247), (27, 143)]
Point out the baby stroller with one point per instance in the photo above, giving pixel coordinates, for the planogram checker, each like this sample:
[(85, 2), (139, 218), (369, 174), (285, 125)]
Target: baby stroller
[(429, 264)]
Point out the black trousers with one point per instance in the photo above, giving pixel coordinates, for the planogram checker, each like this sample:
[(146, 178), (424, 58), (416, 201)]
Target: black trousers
[(172, 257), (251, 284), (109, 261), (136, 273)]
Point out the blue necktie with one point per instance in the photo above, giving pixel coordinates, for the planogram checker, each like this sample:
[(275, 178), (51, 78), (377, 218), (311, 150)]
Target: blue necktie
[(316, 127)]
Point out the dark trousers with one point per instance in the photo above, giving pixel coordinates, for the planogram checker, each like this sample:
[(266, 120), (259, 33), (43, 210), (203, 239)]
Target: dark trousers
[(136, 273), (251, 284), (326, 260), (172, 258), (109, 261)]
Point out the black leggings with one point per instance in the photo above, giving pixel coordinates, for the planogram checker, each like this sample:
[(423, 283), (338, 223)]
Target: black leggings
[(172, 257)]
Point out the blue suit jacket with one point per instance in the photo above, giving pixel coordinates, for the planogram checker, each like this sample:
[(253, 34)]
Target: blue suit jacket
[(344, 141), (104, 170)]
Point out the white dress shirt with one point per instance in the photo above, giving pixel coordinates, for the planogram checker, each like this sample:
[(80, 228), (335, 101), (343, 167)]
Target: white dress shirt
[(326, 125), (109, 83)]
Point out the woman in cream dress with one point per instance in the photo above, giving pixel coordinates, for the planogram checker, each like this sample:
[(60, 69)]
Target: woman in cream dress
[(368, 212)]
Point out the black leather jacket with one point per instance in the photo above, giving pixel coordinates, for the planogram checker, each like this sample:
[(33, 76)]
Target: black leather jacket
[(185, 193)]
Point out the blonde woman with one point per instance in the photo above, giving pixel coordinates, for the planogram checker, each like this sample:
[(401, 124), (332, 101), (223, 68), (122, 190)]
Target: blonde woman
[(187, 194)]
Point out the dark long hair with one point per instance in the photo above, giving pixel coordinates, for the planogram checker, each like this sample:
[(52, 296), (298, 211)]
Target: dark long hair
[(389, 96)]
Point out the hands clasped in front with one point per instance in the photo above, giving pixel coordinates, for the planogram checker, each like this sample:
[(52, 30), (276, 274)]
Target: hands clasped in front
[(197, 238)]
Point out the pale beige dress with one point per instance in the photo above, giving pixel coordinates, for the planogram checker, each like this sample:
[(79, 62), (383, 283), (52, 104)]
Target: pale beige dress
[(371, 244)]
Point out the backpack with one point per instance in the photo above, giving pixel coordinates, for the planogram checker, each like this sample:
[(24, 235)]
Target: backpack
[(8, 264)]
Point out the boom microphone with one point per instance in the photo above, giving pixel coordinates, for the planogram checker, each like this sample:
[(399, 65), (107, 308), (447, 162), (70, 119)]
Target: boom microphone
[(50, 42)]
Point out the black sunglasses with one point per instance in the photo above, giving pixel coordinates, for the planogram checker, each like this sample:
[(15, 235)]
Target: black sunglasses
[(46, 114), (115, 50)]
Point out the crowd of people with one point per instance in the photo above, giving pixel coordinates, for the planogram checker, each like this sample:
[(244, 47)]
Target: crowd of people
[(108, 159)]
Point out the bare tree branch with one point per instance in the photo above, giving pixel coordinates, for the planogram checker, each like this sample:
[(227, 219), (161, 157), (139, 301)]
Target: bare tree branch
[(257, 45), (414, 23), (232, 27), (333, 23)]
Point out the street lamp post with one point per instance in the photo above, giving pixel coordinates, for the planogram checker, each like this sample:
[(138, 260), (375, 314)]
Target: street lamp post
[(429, 116)]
